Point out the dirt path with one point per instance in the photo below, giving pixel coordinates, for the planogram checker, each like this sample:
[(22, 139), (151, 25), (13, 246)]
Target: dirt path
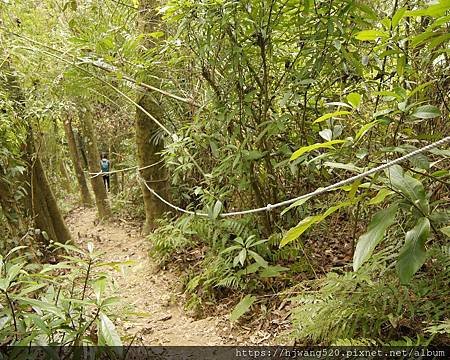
[(152, 307)]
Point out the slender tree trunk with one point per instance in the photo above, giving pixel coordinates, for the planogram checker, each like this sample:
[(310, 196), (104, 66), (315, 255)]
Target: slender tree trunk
[(58, 161), (93, 158), (86, 198), (65, 178), (156, 176), (79, 141), (147, 147)]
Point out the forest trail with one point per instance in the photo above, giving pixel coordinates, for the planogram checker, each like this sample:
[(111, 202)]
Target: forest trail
[(151, 304)]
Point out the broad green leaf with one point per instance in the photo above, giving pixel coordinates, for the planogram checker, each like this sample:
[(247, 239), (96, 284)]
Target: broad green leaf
[(446, 231), (389, 94), (242, 256), (420, 161), (298, 230), (50, 267), (258, 258), (368, 11), (99, 287), (241, 308), (397, 17), (354, 189), (410, 187), (440, 173), (305, 149), (259, 242), (156, 34), (251, 269), (42, 305), (330, 115), (13, 271), (307, 222), (108, 331), (272, 271), (413, 254), (216, 209), (32, 288), (69, 247), (374, 234), (326, 134), (4, 284), (354, 99), (370, 35), (110, 301), (422, 37), (438, 40), (231, 249), (296, 204), (379, 198), (426, 112), (361, 132)]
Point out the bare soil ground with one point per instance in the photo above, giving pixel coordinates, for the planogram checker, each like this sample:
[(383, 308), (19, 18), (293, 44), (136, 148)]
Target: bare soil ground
[(151, 311)]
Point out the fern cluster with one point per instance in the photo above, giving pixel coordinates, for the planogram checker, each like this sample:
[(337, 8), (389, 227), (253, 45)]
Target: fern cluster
[(371, 306), (169, 239)]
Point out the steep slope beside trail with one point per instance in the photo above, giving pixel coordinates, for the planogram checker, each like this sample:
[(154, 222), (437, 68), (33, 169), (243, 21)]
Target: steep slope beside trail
[(150, 302)]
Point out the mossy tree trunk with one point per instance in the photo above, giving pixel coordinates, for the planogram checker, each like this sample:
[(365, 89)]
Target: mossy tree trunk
[(93, 158), (148, 145), (86, 198)]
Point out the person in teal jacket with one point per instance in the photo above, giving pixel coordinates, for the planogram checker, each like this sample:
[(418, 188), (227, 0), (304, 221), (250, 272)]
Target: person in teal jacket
[(104, 163)]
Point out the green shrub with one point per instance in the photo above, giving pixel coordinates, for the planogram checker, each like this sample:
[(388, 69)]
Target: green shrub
[(55, 304)]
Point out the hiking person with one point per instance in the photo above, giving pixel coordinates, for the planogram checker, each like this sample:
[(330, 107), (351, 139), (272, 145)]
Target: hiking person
[(104, 163)]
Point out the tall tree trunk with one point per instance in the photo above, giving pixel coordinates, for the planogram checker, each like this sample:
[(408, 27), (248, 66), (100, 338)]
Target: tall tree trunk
[(147, 147), (86, 198), (93, 158), (44, 208)]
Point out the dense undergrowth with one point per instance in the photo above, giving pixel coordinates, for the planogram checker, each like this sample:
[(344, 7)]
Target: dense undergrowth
[(340, 307), (63, 301)]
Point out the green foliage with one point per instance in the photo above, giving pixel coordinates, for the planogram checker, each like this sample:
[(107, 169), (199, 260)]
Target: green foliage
[(170, 239), (279, 84), (375, 233), (53, 304), (370, 306), (241, 308), (413, 253), (415, 203), (307, 222), (244, 249)]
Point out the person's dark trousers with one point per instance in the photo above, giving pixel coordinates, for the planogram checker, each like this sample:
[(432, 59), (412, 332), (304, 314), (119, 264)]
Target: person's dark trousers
[(106, 181)]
